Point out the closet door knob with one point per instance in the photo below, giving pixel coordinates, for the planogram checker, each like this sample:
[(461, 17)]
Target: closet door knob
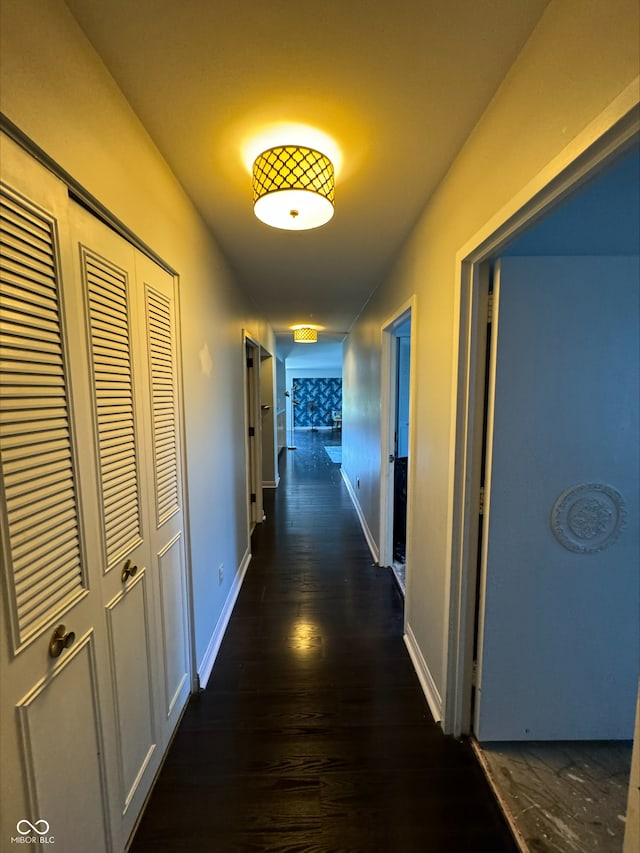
[(60, 640), (128, 571)]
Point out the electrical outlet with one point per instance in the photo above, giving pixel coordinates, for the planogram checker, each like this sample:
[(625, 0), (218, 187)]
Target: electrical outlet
[(220, 574)]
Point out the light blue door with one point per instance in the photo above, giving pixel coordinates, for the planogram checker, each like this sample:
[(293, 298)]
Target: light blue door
[(559, 637)]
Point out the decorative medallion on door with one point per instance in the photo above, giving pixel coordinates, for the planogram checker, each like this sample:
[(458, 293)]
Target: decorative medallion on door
[(588, 517)]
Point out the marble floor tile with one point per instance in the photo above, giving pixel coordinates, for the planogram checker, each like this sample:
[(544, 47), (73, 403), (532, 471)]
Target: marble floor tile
[(400, 571), (564, 796)]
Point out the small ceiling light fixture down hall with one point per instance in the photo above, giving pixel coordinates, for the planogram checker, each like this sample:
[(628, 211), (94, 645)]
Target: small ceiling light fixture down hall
[(305, 335), (293, 187)]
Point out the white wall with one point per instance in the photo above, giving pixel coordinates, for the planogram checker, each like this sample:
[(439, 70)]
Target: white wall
[(324, 353), (312, 373), (56, 89), (577, 61)]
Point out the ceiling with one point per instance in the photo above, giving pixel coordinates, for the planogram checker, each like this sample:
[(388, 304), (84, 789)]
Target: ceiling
[(397, 87)]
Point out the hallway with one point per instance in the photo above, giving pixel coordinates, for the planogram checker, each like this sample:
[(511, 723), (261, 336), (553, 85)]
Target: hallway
[(313, 733)]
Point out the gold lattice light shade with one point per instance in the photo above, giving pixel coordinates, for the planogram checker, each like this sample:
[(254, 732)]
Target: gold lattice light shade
[(305, 335), (293, 187)]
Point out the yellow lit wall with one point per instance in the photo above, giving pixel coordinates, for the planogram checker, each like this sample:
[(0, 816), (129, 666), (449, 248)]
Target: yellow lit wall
[(578, 60), (56, 89)]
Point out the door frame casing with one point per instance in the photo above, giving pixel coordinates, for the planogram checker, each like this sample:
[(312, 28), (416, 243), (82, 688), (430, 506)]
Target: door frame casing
[(387, 427), (253, 458), (605, 139), (270, 477)]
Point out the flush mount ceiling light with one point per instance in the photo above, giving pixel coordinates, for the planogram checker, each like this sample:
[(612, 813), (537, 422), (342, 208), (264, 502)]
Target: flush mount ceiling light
[(305, 335), (293, 187)]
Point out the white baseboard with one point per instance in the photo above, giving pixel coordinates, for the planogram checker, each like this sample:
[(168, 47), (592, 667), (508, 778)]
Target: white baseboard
[(205, 667), (371, 542), (431, 692), (271, 484)]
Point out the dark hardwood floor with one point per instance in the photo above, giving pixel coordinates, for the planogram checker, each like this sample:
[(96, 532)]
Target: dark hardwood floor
[(313, 733)]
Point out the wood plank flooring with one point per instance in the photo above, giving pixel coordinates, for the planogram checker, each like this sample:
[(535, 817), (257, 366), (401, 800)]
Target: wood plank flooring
[(313, 733)]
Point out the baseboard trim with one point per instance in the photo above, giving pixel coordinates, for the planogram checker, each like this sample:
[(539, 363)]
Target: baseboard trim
[(271, 484), (431, 692), (205, 667), (371, 542)]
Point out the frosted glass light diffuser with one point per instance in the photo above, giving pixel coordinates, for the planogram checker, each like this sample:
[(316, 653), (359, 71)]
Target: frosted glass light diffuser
[(293, 187)]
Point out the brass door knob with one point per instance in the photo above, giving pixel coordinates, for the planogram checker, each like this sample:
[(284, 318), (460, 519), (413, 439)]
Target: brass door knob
[(128, 571), (61, 639)]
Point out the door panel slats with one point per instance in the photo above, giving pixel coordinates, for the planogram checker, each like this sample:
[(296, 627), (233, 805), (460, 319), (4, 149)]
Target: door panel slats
[(163, 401), (39, 580), (58, 513), (36, 452), (107, 292), (56, 477), (10, 331), (39, 547)]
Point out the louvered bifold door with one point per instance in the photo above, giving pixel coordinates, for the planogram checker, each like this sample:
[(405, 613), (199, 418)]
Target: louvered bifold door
[(56, 739), (129, 594), (107, 288), (164, 484), (45, 575), (94, 656), (164, 403)]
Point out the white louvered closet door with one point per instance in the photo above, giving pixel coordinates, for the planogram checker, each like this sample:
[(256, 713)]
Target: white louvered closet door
[(106, 276), (131, 309), (56, 735), (92, 518), (159, 347)]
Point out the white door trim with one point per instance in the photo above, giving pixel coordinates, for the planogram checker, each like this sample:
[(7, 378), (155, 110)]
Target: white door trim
[(387, 426), (184, 490), (253, 460), (613, 131), (268, 423)]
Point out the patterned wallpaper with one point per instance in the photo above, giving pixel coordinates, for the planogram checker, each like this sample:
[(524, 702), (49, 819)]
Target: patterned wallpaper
[(316, 399)]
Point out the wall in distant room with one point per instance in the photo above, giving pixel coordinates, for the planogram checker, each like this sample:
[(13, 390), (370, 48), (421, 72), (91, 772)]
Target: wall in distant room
[(317, 398), (281, 404)]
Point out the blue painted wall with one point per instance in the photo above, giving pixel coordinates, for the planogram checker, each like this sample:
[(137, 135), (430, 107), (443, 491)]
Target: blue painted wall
[(321, 395)]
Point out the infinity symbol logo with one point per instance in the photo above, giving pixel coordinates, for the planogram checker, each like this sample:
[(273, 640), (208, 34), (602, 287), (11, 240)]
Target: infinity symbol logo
[(40, 826)]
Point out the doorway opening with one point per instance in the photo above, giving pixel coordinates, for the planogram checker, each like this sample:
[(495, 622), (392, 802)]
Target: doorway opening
[(397, 376), (268, 423), (580, 240), (253, 433)]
